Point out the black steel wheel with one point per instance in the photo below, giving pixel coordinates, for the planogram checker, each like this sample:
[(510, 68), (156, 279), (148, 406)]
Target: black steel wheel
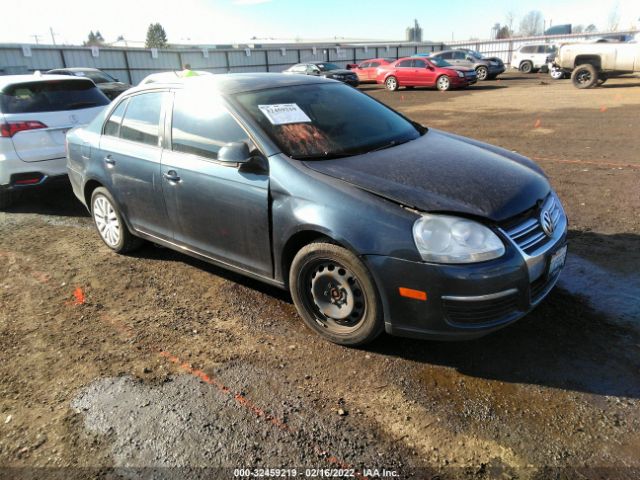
[(335, 295), (584, 76)]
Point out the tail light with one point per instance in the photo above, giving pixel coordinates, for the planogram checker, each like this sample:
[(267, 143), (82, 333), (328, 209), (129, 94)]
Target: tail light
[(9, 129)]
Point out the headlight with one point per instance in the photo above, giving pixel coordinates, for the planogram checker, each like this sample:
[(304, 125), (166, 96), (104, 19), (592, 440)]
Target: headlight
[(460, 74), (338, 77), (446, 239)]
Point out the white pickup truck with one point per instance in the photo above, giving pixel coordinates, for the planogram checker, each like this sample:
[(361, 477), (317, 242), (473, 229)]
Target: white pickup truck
[(591, 64)]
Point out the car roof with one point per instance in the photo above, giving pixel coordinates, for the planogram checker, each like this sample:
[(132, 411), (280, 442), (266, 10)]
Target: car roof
[(230, 83), (7, 80), (75, 69)]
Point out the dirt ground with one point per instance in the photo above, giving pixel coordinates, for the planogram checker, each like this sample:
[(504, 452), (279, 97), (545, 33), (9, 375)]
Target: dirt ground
[(160, 366)]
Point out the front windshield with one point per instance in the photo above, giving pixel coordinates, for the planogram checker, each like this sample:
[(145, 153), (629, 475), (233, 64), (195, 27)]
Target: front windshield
[(475, 54), (326, 121), (96, 77), (325, 67), (439, 62)]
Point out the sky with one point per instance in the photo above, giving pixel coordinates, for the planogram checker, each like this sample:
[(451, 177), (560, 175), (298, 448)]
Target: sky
[(237, 21)]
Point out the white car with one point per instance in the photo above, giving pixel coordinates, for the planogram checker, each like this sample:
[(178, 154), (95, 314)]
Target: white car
[(36, 111), (531, 58), (170, 77)]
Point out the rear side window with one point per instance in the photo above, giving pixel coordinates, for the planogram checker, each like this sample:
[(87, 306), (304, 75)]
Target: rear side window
[(112, 127), (202, 127), (404, 64), (51, 96), (529, 49), (141, 121)]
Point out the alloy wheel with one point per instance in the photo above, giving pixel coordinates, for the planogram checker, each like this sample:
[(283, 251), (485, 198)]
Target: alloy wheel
[(443, 83), (107, 221)]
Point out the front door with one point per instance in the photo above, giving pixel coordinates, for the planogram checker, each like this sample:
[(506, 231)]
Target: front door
[(130, 151), (217, 209), (424, 75)]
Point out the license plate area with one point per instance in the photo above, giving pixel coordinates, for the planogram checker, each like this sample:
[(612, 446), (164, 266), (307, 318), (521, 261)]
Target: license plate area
[(556, 262)]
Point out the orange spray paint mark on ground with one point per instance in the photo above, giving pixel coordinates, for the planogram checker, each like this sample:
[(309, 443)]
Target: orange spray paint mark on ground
[(603, 108), (537, 124), (78, 296)]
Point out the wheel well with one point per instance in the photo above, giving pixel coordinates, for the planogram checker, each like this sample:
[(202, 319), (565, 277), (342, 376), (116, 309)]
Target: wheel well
[(295, 243), (526, 61), (89, 187), (590, 59)]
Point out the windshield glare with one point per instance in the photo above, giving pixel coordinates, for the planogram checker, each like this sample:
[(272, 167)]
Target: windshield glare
[(331, 120), (96, 77), (325, 67), (440, 62)]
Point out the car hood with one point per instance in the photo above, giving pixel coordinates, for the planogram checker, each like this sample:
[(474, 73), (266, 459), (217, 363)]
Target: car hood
[(341, 71), (441, 172)]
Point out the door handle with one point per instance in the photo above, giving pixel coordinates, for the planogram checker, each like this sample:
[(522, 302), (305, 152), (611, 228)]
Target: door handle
[(172, 176), (109, 161)]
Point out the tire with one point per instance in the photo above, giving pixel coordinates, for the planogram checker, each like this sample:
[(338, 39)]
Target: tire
[(6, 199), (391, 83), (526, 67), (443, 83), (482, 72), (584, 76), (325, 278), (109, 223)]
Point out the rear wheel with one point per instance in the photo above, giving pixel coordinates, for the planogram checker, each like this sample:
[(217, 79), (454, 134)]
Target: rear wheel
[(482, 72), (584, 76), (443, 83), (391, 83), (335, 294), (6, 199), (108, 221), (526, 67)]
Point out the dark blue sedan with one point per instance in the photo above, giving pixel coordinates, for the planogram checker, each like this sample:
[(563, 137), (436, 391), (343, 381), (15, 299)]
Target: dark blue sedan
[(372, 222)]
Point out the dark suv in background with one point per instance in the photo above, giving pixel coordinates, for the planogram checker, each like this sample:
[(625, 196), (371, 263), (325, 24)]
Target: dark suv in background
[(110, 86)]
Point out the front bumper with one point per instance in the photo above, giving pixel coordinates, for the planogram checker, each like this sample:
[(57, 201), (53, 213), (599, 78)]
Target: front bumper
[(353, 82), (463, 301)]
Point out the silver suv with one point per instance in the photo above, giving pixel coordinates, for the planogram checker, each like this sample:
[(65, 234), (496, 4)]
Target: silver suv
[(486, 68)]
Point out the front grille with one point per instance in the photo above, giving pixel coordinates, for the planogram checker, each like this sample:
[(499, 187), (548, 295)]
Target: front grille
[(539, 287), (527, 231), (481, 311)]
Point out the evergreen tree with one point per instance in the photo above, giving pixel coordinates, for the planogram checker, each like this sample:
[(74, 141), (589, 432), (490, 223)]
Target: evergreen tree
[(156, 36)]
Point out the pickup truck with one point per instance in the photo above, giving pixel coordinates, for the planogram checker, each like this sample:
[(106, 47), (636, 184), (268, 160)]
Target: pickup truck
[(591, 64)]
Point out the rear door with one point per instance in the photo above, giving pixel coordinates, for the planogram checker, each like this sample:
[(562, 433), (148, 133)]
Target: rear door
[(51, 108), (404, 70), (216, 208), (130, 150)]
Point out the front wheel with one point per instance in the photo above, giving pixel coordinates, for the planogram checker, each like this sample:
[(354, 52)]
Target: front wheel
[(108, 220), (443, 83), (335, 295), (482, 73), (526, 67), (391, 83), (584, 76)]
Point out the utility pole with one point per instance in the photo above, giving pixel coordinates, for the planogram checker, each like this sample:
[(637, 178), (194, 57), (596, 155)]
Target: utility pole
[(36, 37), (53, 35)]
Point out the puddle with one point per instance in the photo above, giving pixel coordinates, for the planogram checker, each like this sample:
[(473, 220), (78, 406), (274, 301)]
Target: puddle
[(613, 294)]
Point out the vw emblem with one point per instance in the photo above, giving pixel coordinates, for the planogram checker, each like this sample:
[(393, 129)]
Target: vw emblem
[(547, 223)]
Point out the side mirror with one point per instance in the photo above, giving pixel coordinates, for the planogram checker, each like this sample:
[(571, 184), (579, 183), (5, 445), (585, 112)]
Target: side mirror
[(235, 152)]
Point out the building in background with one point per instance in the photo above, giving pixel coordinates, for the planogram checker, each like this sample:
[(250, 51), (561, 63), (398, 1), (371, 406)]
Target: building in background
[(414, 34)]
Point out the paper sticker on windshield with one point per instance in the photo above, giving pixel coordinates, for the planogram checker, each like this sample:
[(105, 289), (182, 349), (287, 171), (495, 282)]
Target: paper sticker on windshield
[(284, 113)]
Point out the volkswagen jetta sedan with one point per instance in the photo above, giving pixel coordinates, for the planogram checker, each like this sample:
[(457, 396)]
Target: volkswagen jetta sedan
[(372, 221)]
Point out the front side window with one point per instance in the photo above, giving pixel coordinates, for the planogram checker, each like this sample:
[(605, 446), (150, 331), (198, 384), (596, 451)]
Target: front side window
[(326, 67), (326, 120), (419, 64), (459, 55), (142, 118), (202, 126), (375, 64), (112, 127)]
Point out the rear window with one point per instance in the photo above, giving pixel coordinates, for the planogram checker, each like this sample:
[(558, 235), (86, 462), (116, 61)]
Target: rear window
[(56, 95)]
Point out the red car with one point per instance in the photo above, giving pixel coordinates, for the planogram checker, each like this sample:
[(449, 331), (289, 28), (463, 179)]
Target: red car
[(425, 72), (367, 71)]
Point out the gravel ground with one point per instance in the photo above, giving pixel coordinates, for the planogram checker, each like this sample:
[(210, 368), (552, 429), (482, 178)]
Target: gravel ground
[(160, 366)]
